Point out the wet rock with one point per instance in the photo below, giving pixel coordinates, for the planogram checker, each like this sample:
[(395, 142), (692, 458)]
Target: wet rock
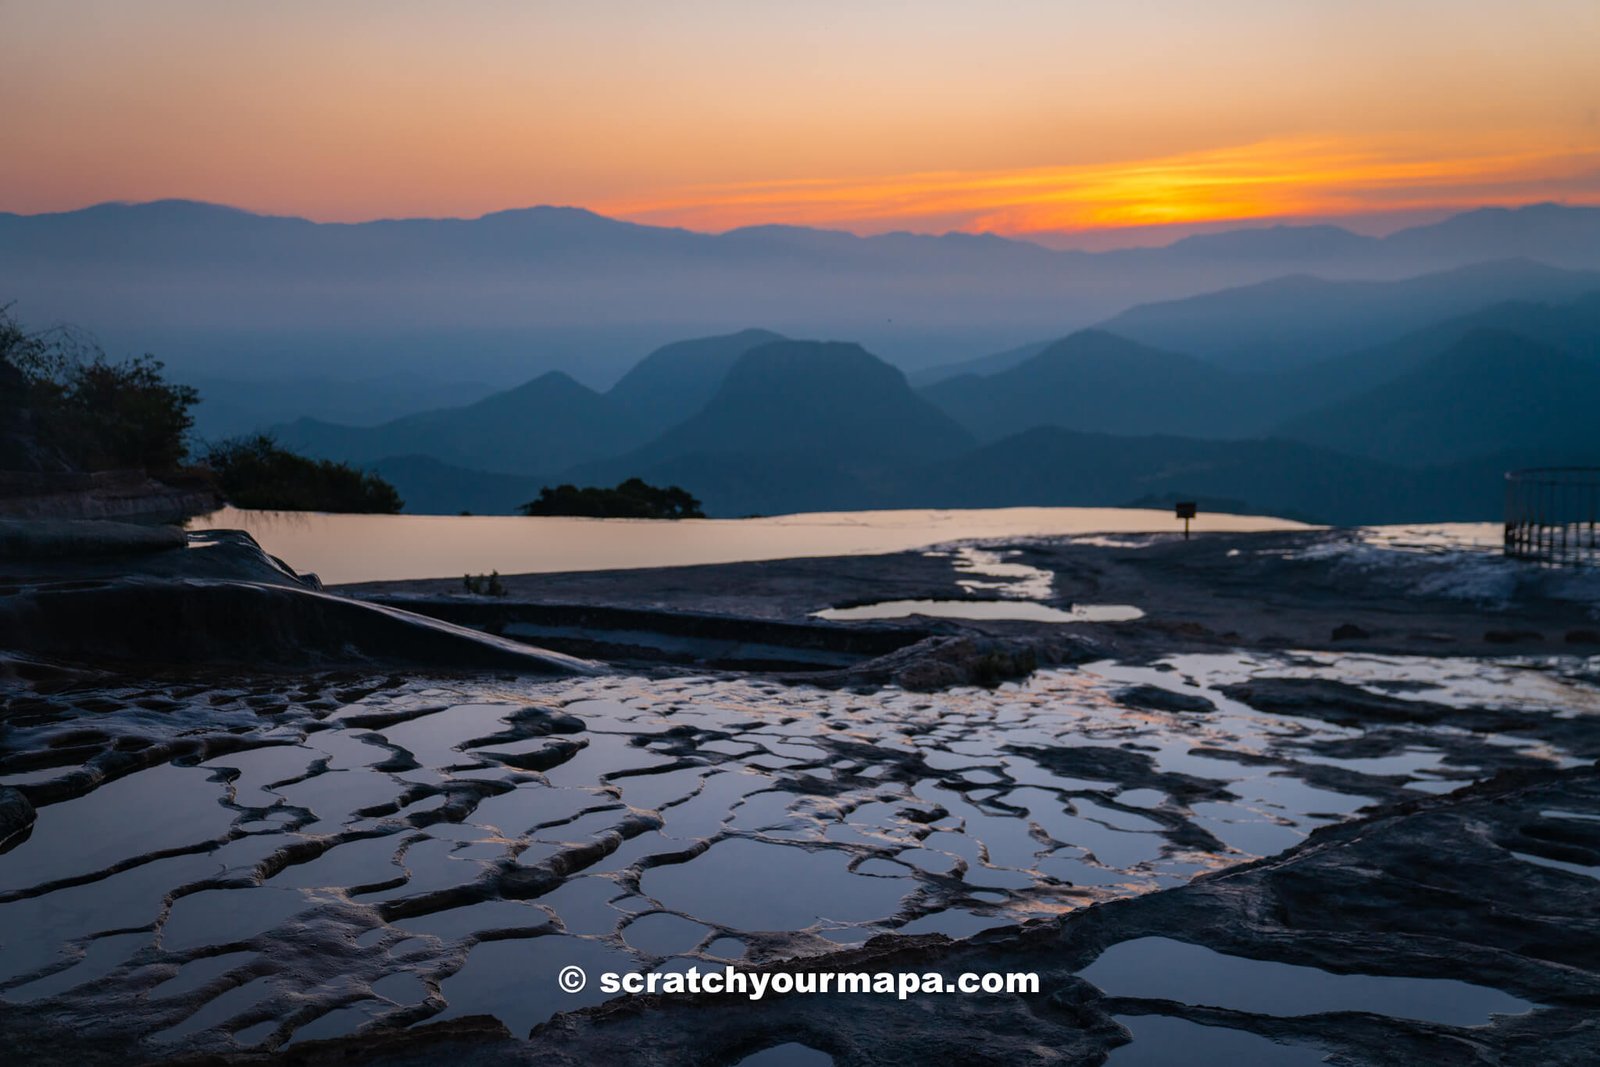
[(942, 662), (1401, 894), (16, 814), (152, 621), (1583, 637), (399, 805), (1349, 631), (1155, 698), (44, 539), (45, 489), (1511, 637), (1335, 702)]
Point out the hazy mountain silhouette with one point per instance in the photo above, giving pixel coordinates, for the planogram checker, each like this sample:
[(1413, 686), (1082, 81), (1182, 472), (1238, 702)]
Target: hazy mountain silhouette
[(982, 366), (1573, 327), (1564, 235), (1097, 382), (677, 380), (814, 398), (794, 425), (1491, 392), (546, 424), (1049, 466), (1290, 244), (233, 406), (430, 487), (514, 293), (1297, 320)]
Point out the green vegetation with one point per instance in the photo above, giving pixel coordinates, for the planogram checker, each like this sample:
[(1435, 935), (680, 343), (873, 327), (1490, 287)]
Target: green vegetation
[(90, 412), (253, 472), (484, 584), (633, 499)]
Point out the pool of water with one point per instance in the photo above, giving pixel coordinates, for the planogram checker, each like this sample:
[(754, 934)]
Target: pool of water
[(444, 848), (1160, 968), (365, 548), (983, 609)]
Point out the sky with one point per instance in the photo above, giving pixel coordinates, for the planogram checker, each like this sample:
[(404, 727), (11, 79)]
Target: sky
[(1087, 123)]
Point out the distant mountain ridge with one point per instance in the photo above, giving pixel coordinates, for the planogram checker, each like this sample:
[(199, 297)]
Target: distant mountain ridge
[(1394, 372), (544, 425), (1096, 382), (677, 380), (803, 425), (1492, 391), (513, 293), (1292, 321), (827, 398)]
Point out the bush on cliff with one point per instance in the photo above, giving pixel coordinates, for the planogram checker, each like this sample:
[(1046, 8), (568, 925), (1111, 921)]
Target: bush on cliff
[(97, 414), (633, 499), (254, 472)]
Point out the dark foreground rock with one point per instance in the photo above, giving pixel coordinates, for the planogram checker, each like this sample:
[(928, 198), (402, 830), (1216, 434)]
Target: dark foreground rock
[(95, 594), (117, 495), (1323, 590), (16, 814)]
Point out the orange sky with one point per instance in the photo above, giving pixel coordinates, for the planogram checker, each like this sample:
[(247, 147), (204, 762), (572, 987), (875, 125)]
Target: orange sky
[(1020, 117)]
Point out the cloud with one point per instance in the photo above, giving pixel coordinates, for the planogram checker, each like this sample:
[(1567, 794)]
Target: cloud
[(1269, 179)]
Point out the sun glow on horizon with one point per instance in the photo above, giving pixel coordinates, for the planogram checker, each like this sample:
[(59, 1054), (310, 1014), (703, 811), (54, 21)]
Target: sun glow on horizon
[(1020, 117), (1285, 179)]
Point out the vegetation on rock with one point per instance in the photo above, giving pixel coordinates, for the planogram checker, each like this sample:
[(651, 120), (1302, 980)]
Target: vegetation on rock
[(484, 584), (85, 412), (632, 499), (254, 472)]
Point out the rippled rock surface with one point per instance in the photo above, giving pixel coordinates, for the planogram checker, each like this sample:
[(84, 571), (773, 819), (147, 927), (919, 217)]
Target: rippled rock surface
[(228, 868)]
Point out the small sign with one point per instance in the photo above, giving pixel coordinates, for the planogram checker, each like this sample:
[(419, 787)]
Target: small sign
[(1185, 510)]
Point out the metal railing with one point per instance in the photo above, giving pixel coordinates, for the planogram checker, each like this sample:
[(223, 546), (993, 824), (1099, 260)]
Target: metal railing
[(1553, 515)]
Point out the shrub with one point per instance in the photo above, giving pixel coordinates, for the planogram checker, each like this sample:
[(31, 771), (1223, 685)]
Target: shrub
[(633, 499), (484, 584), (100, 415), (254, 472)]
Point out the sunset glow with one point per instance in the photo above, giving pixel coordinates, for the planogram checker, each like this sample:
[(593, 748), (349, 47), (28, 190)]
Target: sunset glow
[(1028, 117), (1267, 180)]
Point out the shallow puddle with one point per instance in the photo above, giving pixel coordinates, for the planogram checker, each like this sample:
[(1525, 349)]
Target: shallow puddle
[(1026, 610), (679, 820), (1159, 968), (1159, 1041)]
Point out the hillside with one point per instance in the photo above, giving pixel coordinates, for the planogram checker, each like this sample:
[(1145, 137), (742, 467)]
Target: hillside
[(1096, 382), (506, 296), (677, 380), (546, 424), (981, 366), (1298, 320), (1571, 327), (819, 399), (1049, 466), (1492, 391), (430, 487)]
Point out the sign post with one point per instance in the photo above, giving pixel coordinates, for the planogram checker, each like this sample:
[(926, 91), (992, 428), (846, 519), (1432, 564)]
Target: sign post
[(1185, 510)]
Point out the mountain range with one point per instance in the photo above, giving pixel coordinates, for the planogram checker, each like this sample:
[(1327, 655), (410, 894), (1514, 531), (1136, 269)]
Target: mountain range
[(224, 293), (1303, 371), (1422, 428)]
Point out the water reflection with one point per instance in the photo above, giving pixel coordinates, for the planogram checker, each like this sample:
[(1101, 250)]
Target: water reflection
[(365, 548), (982, 609), (396, 829)]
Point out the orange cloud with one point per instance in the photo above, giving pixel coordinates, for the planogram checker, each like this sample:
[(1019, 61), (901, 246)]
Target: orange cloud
[(1270, 179)]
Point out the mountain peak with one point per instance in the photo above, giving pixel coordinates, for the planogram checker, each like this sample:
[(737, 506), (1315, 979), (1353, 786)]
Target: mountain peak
[(818, 398), (1279, 242)]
